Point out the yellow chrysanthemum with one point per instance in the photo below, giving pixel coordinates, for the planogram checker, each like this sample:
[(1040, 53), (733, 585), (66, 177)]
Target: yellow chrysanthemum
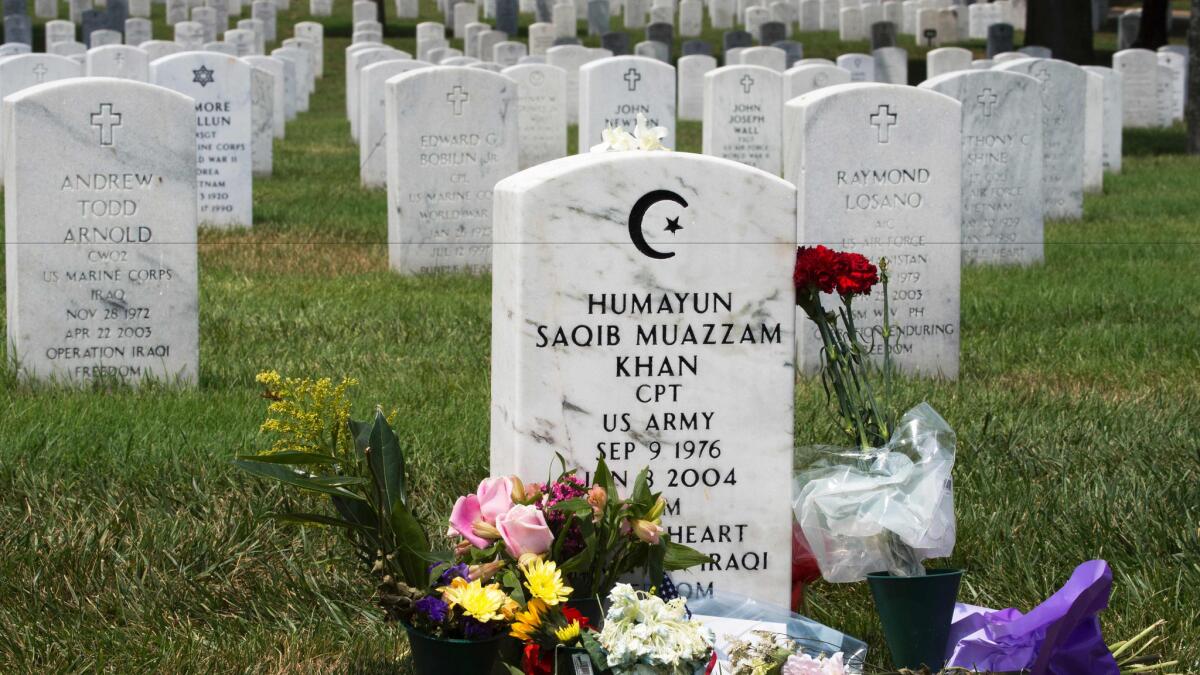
[(480, 602), (544, 581), (567, 633), (526, 623)]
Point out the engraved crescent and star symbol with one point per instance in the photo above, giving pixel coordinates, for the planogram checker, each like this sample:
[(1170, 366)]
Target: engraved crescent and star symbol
[(637, 231), (202, 76)]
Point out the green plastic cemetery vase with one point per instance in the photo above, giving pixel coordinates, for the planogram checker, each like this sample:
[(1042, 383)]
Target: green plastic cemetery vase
[(916, 613), (435, 656)]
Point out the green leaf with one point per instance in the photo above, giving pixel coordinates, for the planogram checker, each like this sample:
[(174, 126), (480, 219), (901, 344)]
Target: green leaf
[(356, 512), (654, 564), (512, 582), (411, 542), (332, 485), (681, 557), (577, 505), (641, 490), (603, 478), (314, 519), (595, 651), (386, 461), (361, 431), (578, 562), (291, 457)]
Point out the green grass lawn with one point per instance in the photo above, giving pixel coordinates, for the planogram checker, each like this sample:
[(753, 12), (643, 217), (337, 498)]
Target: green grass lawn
[(129, 544)]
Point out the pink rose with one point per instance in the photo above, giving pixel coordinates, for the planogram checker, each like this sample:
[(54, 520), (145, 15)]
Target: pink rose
[(495, 497), (524, 530), (463, 518)]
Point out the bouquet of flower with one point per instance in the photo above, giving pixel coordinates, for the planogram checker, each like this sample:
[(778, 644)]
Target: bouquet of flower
[(360, 468), (459, 606), (886, 504), (546, 626), (766, 653), (646, 635), (589, 533)]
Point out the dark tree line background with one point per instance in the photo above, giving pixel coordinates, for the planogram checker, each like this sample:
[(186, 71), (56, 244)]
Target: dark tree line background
[(1065, 26)]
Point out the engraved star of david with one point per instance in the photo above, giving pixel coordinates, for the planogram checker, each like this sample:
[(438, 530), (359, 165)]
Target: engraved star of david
[(202, 76)]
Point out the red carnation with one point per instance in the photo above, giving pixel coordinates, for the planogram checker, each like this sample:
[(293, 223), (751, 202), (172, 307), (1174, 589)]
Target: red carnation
[(572, 614), (533, 662), (856, 275), (816, 267)]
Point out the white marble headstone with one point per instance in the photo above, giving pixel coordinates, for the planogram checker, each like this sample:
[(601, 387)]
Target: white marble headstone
[(805, 77), (220, 86), (873, 179), (947, 60), (122, 61), (1113, 117), (690, 71), (275, 67), (1139, 86), (1001, 164), (743, 111), (100, 233), (613, 90), (372, 118), (22, 71), (451, 135), (861, 66), (542, 112), (1064, 92), (570, 58), (642, 310)]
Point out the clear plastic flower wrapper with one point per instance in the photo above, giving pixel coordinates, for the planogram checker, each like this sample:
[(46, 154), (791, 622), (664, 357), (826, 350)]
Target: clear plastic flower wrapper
[(884, 509), (734, 617)]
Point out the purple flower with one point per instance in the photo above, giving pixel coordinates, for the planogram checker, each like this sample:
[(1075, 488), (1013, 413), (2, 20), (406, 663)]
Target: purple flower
[(453, 572), (433, 608), (476, 630)]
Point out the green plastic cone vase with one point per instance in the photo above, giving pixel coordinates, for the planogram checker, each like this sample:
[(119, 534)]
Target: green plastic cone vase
[(435, 656), (916, 613)]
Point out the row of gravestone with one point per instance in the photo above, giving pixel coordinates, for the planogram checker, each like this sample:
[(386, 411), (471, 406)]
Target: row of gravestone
[(107, 179), (84, 218), (114, 25), (743, 119)]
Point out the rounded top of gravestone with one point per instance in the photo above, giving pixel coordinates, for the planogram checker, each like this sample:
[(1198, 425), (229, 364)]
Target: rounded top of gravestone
[(528, 67), (624, 61), (951, 50), (737, 69), (189, 58), (555, 169), (1002, 77), (812, 62), (31, 60), (397, 67), (851, 92), (682, 172), (64, 94), (464, 75)]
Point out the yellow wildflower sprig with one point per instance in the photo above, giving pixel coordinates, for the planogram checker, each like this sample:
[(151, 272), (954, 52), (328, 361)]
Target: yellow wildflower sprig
[(307, 415)]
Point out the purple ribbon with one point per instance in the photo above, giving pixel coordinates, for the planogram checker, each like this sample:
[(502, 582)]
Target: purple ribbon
[(1061, 636)]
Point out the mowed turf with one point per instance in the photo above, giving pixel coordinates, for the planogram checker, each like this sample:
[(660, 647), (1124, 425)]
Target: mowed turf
[(129, 544)]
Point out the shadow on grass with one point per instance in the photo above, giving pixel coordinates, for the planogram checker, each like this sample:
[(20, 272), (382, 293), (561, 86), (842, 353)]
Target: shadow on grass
[(1154, 142)]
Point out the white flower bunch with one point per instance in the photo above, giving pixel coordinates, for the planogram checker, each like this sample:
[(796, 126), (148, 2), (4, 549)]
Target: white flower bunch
[(644, 137), (644, 635), (763, 653)]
